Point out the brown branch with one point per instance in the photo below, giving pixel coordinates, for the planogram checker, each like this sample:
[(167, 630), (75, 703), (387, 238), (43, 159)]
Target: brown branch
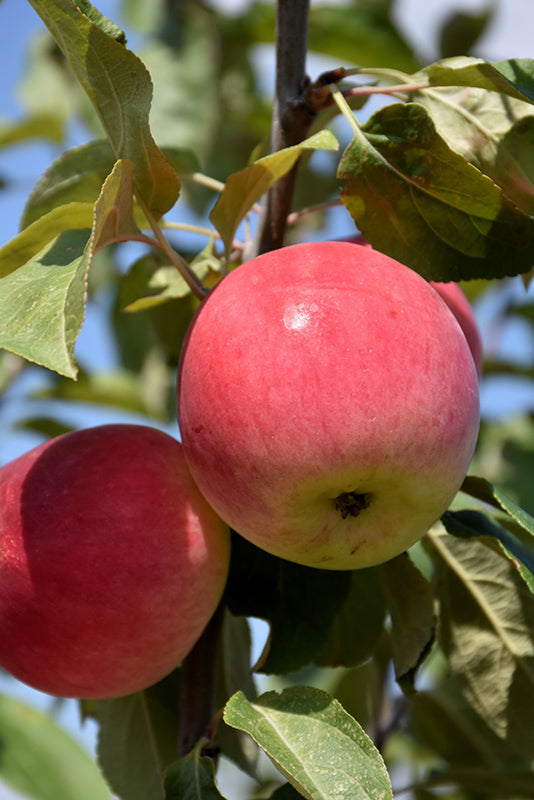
[(292, 117)]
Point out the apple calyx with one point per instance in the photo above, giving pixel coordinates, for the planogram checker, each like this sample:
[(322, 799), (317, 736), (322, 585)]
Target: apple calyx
[(351, 504)]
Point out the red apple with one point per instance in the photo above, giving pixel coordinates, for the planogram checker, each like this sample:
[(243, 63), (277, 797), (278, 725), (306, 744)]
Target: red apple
[(111, 562), (458, 303), (328, 404)]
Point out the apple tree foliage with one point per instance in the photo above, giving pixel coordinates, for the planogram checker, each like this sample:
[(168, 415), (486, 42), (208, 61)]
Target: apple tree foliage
[(411, 679)]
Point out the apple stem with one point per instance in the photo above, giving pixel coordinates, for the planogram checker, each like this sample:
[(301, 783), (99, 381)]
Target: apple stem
[(198, 702)]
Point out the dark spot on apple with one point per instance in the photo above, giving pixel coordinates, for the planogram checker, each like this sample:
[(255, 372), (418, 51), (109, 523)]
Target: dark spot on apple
[(351, 504), (198, 429)]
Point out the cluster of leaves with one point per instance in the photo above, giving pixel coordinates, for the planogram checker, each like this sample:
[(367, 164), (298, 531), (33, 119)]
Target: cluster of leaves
[(420, 671)]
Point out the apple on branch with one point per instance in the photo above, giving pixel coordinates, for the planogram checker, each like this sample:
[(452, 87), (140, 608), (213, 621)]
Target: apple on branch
[(328, 404), (111, 562)]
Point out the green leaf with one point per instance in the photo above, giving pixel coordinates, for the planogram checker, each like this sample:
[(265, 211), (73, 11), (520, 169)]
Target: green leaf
[(35, 126), (410, 601), (42, 303), (483, 490), (358, 624), (469, 523), (299, 603), (244, 188), (493, 132), (234, 675), (41, 761), (486, 782), (462, 29), (121, 389), (164, 283), (486, 625), (366, 35), (444, 722), (75, 177), (316, 745), (513, 78), (162, 321), (120, 89), (421, 203), (192, 778), (27, 244), (185, 69), (518, 537), (138, 737), (285, 792), (102, 22), (113, 214)]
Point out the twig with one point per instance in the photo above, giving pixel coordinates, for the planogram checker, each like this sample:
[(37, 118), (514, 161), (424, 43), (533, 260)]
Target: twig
[(196, 285)]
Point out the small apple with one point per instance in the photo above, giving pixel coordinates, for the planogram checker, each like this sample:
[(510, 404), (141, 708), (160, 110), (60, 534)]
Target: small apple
[(111, 562), (328, 404), (458, 303)]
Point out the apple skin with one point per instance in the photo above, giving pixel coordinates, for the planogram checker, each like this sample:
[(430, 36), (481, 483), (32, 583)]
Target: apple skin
[(460, 306), (111, 562), (458, 303), (328, 404)]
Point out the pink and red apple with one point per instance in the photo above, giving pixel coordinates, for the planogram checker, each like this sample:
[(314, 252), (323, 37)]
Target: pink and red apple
[(328, 404), (111, 562)]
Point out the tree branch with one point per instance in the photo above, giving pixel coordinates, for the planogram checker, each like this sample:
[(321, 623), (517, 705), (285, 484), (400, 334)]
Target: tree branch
[(291, 115)]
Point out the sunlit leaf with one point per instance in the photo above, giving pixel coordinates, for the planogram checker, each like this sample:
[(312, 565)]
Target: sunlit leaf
[(244, 188), (120, 89), (423, 204), (493, 132), (486, 624), (316, 745), (27, 244), (102, 22), (42, 303), (514, 78), (113, 214)]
